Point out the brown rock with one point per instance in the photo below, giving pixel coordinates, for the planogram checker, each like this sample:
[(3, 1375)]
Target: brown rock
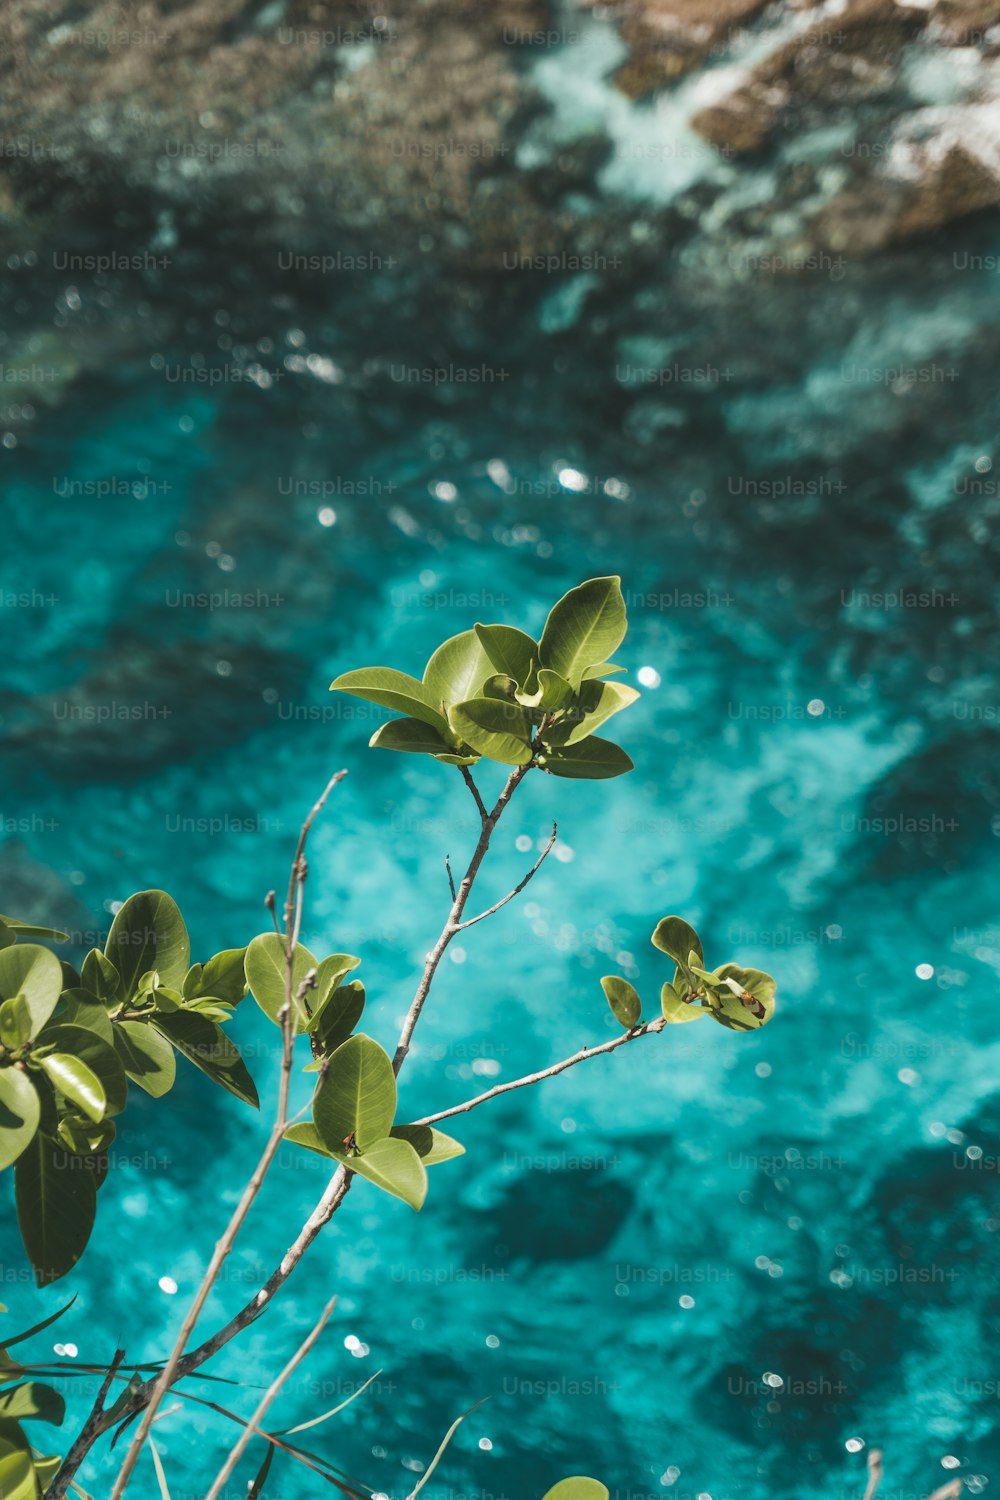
[(838, 63), (668, 38)]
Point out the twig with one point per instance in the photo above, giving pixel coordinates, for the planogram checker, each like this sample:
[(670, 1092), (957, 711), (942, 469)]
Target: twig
[(426, 1475), (88, 1432), (470, 783), (451, 878), (270, 903), (267, 1400), (339, 1185), (649, 1029), (490, 910), (293, 905), (453, 924), (874, 1472)]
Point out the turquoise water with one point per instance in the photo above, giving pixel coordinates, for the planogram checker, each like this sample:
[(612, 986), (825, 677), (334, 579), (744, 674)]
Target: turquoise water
[(622, 1257)]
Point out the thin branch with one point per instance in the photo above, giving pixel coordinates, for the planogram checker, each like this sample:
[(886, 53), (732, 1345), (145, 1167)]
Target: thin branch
[(267, 1401), (425, 1476), (88, 1432), (339, 1184), (490, 910), (470, 783), (451, 878), (649, 1029), (874, 1473), (453, 924), (293, 907), (269, 902)]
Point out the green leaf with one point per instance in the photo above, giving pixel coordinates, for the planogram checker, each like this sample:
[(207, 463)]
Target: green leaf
[(597, 702), (603, 669), (623, 998), (732, 1011), (78, 1007), (592, 760), (36, 974), (267, 974), (256, 1489), (430, 1144), (85, 1138), (553, 690), (46, 1470), (97, 1057), (20, 1111), (338, 1007), (305, 1134), (676, 1009), (146, 1056), (7, 935), (204, 1043), (500, 731), (577, 1488), (499, 686), (100, 976), (677, 939), (340, 1015), (586, 626), (32, 1401), (391, 689), (511, 651), (149, 933), (29, 1333), (357, 1097), (458, 669), (15, 1023), (17, 1477), (392, 1165), (222, 978), (77, 1083), (29, 930), (411, 736), (56, 1204)]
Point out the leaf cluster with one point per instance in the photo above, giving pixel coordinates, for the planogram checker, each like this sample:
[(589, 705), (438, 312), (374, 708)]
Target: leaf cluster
[(71, 1042), (496, 694), (739, 998)]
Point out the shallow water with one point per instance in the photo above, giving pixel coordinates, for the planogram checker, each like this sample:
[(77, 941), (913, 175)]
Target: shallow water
[(708, 1265)]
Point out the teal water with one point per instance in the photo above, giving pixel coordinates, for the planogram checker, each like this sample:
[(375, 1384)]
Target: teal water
[(626, 1261)]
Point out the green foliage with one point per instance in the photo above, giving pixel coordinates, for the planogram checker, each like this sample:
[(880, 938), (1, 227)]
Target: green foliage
[(494, 693), (23, 1472), (148, 935), (623, 998), (355, 1102), (393, 1165), (742, 999), (70, 1043), (430, 1144), (577, 1488)]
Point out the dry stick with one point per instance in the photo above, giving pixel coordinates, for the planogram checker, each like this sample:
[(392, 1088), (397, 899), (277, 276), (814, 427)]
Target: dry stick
[(454, 923), (650, 1028), (267, 1400), (293, 906), (339, 1185), (490, 910), (90, 1429), (874, 1473)]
